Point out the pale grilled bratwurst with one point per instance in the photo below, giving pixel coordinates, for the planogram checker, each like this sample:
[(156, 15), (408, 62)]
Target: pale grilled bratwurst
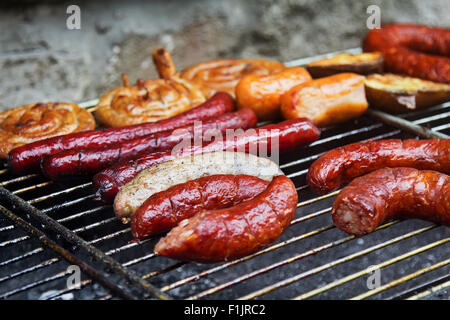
[(162, 176)]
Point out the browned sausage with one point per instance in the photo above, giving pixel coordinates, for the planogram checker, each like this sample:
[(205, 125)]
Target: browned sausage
[(164, 210), (342, 164), (27, 158), (226, 234), (287, 135), (414, 50), (392, 193), (88, 161)]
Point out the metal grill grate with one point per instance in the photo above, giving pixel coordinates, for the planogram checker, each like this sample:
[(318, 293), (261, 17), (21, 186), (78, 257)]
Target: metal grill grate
[(52, 225)]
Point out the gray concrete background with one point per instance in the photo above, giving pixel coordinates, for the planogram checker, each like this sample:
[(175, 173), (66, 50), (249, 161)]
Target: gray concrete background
[(41, 60)]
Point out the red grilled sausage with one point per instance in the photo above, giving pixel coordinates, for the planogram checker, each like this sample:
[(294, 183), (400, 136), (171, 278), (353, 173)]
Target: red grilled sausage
[(164, 210), (230, 233), (392, 193), (27, 158), (290, 134), (88, 161), (413, 50), (341, 165)]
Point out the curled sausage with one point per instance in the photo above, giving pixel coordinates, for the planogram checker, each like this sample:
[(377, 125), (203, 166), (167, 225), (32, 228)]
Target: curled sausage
[(392, 193), (342, 164), (27, 158), (164, 210), (225, 234), (88, 161)]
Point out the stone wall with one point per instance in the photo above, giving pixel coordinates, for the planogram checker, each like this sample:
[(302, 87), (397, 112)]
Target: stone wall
[(41, 60)]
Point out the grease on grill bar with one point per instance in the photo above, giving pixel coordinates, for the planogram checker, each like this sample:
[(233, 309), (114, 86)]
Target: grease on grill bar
[(313, 259)]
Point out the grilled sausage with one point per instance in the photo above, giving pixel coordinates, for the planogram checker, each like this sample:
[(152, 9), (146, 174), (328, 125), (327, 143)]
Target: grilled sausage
[(342, 164), (164, 210), (326, 101), (161, 177), (392, 193), (27, 158), (413, 50), (286, 135), (225, 234), (88, 161)]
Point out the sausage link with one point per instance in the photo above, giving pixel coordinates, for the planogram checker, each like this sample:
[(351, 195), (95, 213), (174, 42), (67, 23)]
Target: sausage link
[(88, 161), (27, 158), (392, 193), (342, 164), (286, 135), (164, 210), (225, 234), (414, 50)]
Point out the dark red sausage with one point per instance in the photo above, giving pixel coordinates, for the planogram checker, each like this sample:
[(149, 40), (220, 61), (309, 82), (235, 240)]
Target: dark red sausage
[(392, 193), (226, 234), (341, 165), (88, 161), (164, 210), (27, 158), (290, 134), (414, 50)]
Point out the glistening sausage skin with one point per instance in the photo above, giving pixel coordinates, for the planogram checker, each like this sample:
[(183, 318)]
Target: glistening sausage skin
[(164, 210), (225, 234), (27, 158), (342, 164), (290, 134), (392, 193), (88, 161)]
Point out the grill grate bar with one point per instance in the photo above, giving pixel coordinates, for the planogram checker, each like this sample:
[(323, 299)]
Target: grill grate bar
[(423, 288), (364, 272), (430, 291), (331, 139), (58, 193), (62, 273), (248, 257), (409, 276), (334, 263)]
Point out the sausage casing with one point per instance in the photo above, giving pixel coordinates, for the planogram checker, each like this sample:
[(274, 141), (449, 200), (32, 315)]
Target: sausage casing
[(392, 193), (164, 175), (288, 135), (164, 210), (27, 158), (225, 234), (88, 161), (342, 164)]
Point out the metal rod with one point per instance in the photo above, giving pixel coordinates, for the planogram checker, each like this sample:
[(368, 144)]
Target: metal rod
[(422, 288), (76, 240), (405, 125), (90, 271), (333, 263), (409, 276), (430, 291), (361, 273)]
